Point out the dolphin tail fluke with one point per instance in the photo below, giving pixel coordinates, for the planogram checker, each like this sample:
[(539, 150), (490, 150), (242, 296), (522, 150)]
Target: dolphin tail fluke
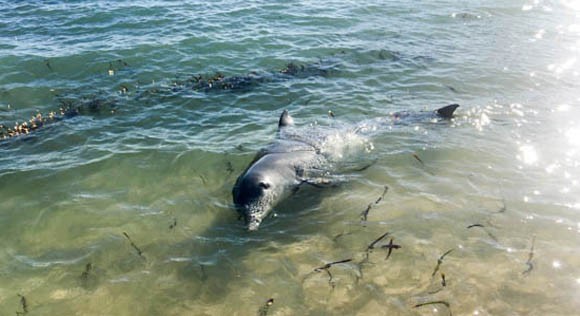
[(446, 112), (285, 120)]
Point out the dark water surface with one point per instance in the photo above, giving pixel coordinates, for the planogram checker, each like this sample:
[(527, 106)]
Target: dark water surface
[(126, 209)]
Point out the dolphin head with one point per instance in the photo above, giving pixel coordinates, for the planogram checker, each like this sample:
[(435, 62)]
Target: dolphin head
[(254, 197), (264, 183)]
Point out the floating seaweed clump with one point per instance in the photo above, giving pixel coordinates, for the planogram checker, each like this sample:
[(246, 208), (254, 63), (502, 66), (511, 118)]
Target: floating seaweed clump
[(68, 108), (218, 81), (71, 107)]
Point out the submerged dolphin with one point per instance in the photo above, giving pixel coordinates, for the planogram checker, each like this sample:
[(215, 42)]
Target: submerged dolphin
[(280, 169)]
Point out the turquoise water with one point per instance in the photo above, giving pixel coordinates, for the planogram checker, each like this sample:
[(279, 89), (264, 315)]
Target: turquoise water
[(158, 160)]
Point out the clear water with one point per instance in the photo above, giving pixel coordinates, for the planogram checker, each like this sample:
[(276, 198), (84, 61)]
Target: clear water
[(161, 167)]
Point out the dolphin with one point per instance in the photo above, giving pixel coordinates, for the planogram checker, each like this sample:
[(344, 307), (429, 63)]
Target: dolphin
[(288, 162)]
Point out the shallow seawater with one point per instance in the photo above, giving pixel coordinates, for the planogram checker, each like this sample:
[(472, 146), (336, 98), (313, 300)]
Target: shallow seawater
[(127, 210)]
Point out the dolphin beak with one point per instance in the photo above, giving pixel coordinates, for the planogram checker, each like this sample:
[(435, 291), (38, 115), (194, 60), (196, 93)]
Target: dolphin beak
[(253, 223)]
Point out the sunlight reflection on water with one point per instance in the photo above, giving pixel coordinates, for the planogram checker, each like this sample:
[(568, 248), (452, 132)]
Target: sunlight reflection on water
[(528, 155)]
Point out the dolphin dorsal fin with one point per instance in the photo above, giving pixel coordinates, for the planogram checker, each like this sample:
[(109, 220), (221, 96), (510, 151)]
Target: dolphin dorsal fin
[(447, 111), (285, 120)]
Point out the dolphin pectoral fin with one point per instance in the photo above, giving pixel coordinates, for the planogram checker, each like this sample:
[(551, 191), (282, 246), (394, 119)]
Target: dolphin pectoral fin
[(317, 183), (348, 167), (285, 120), (320, 183), (446, 112)]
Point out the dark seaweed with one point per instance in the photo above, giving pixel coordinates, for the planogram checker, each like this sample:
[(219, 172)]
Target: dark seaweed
[(68, 108), (23, 305), (364, 214), (418, 159), (174, 224), (229, 168), (73, 107), (47, 64), (436, 302), (218, 81), (440, 261), (139, 252), (390, 247), (85, 274), (372, 244), (203, 274), (88, 278), (451, 88), (327, 267), (335, 238), (443, 285), (530, 257), (503, 208), (492, 236)]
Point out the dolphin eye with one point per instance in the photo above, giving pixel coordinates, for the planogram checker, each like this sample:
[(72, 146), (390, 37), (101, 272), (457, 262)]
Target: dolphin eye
[(264, 185)]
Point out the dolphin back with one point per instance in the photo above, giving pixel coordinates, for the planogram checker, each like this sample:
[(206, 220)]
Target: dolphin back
[(446, 112)]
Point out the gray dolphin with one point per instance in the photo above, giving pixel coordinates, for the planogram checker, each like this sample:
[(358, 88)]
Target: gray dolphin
[(279, 169), (275, 172)]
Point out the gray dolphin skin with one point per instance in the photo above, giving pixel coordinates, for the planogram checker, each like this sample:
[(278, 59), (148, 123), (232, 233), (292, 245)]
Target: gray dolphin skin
[(275, 172), (280, 168)]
